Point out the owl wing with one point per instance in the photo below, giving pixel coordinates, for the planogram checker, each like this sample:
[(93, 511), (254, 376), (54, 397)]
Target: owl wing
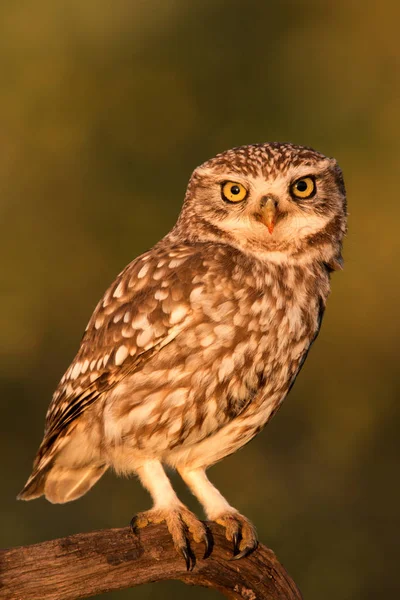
[(145, 308)]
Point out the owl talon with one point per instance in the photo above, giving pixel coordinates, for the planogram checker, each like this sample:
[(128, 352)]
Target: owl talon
[(179, 521), (241, 532)]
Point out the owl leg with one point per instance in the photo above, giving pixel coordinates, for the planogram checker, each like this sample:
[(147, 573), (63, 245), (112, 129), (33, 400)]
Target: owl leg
[(238, 529), (167, 507)]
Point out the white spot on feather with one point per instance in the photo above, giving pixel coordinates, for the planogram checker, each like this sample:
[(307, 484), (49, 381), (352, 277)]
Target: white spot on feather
[(158, 274), (176, 262), (226, 368), (195, 294), (161, 294), (175, 427), (177, 397), (76, 370), (178, 314), (208, 340), (99, 321), (127, 332), (144, 337), (224, 331), (143, 271), (121, 355), (119, 290), (140, 322)]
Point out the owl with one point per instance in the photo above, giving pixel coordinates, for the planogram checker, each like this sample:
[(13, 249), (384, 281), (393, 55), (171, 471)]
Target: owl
[(197, 342)]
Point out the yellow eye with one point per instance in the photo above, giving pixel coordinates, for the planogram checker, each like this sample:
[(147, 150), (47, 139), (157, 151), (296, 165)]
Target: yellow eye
[(303, 188), (233, 192)]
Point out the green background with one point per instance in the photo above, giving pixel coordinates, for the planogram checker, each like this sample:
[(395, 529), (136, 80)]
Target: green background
[(105, 109)]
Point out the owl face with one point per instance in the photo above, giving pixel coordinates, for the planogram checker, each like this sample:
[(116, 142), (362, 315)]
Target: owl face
[(268, 197)]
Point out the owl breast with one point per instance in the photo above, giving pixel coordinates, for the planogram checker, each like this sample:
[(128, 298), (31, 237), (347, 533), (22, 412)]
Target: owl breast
[(215, 386)]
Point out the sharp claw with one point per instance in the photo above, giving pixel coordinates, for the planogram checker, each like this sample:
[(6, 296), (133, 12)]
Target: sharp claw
[(245, 552), (208, 547), (236, 539), (186, 556), (132, 525)]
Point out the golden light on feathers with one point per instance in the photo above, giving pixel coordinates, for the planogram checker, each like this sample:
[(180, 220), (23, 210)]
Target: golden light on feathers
[(197, 342)]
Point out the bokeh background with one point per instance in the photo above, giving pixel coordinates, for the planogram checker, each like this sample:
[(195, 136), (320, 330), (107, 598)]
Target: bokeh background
[(105, 109)]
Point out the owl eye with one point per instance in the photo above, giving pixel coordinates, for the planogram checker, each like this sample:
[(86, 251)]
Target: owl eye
[(303, 188), (233, 192)]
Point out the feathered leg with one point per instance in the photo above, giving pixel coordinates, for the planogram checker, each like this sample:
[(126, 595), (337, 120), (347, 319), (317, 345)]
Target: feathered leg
[(167, 507)]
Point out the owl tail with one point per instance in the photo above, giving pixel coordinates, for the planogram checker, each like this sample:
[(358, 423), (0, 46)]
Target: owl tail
[(34, 487), (61, 484)]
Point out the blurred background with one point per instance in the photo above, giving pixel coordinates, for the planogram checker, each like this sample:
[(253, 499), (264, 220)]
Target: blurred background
[(105, 109)]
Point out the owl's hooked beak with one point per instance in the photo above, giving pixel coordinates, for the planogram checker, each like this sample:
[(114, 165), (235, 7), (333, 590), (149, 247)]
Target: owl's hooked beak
[(269, 212)]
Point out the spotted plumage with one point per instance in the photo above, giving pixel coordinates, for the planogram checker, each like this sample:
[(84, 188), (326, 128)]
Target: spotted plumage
[(197, 342)]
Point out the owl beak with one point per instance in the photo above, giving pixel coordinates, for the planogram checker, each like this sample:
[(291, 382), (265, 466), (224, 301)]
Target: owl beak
[(269, 212)]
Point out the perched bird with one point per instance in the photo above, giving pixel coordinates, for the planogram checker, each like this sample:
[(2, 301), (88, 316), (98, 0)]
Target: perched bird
[(196, 343)]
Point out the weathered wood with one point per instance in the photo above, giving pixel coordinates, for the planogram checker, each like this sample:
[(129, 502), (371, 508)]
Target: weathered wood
[(86, 564)]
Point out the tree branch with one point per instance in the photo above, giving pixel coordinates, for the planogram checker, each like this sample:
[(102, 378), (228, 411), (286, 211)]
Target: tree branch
[(86, 564)]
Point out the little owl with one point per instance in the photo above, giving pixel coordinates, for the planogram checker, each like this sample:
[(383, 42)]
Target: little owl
[(197, 342)]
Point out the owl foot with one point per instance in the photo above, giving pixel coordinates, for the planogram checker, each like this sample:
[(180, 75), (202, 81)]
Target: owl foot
[(179, 521), (240, 531)]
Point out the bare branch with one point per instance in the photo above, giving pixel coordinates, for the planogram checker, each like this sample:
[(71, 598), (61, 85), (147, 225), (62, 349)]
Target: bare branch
[(86, 564)]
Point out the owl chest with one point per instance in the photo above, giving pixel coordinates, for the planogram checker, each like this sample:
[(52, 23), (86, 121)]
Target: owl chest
[(279, 332)]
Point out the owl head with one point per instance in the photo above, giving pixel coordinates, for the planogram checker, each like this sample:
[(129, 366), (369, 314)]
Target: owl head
[(275, 198)]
